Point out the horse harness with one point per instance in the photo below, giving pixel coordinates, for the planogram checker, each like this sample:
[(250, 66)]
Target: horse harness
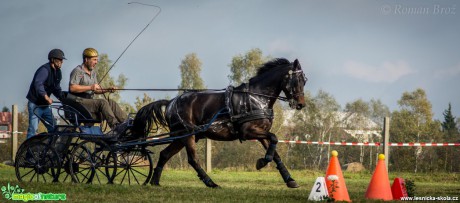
[(245, 112)]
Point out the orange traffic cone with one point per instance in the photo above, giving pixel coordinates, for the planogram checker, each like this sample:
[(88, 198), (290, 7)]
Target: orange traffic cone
[(379, 187), (335, 181)]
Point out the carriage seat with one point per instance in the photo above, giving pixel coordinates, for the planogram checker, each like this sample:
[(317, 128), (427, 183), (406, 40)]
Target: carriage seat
[(75, 112)]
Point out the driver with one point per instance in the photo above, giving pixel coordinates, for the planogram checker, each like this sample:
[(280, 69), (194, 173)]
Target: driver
[(83, 84)]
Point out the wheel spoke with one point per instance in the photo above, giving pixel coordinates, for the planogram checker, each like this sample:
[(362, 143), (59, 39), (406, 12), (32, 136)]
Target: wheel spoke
[(120, 172), (124, 176), (97, 176), (135, 178), (138, 172), (33, 169), (44, 179), (31, 178)]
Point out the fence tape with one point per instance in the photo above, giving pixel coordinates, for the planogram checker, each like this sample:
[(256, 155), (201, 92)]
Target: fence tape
[(332, 143), (15, 132), (395, 144)]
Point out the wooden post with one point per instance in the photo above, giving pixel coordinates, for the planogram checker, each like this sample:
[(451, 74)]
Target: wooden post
[(14, 132), (386, 140), (208, 155)]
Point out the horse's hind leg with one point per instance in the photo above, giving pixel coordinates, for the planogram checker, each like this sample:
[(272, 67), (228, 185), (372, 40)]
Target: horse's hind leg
[(193, 161), (165, 155), (290, 182)]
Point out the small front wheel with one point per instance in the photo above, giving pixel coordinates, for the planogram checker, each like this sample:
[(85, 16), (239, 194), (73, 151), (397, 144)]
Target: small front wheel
[(134, 166)]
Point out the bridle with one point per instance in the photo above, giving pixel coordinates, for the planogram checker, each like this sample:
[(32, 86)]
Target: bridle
[(293, 78)]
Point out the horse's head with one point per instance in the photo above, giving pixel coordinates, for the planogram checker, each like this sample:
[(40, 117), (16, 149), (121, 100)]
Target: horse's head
[(293, 85)]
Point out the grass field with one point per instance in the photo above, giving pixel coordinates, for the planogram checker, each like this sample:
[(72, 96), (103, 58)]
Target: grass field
[(236, 186)]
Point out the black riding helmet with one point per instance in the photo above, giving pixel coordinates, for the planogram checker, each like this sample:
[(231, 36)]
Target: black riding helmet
[(56, 53)]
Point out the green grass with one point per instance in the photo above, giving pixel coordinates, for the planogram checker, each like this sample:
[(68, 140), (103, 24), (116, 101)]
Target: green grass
[(236, 186)]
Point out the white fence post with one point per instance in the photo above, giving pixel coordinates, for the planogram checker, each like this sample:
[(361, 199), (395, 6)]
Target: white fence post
[(14, 132), (208, 155)]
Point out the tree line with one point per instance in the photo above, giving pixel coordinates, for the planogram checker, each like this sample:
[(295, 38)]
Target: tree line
[(318, 121)]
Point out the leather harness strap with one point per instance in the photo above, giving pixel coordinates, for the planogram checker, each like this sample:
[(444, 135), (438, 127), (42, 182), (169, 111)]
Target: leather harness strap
[(248, 114)]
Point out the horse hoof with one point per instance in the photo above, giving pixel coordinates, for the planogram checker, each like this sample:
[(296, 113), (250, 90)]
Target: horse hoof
[(261, 163), (292, 184), (212, 185)]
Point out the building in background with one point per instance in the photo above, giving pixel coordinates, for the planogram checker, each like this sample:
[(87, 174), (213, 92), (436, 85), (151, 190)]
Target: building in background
[(5, 126)]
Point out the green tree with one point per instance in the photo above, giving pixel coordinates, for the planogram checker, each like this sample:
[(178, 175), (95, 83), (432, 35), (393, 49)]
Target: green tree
[(449, 126), (417, 103), (379, 111), (190, 69), (318, 121), (108, 81), (245, 66), (5, 109), (357, 113), (414, 123), (451, 134)]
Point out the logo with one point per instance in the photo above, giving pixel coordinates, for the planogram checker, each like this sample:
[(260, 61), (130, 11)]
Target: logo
[(17, 193)]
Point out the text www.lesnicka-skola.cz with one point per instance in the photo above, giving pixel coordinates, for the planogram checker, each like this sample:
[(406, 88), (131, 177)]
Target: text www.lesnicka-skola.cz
[(430, 198)]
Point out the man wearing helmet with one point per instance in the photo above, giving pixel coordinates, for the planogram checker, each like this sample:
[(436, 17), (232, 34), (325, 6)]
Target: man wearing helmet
[(46, 81), (83, 84)]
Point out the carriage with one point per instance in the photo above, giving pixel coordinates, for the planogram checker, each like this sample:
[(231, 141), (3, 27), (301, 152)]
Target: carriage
[(78, 150)]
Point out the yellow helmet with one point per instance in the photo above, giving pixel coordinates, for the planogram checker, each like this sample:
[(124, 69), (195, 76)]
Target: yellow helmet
[(90, 52)]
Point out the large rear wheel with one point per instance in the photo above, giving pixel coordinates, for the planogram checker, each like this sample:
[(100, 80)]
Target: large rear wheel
[(37, 162)]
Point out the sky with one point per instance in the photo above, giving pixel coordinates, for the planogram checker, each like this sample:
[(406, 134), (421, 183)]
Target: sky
[(350, 49)]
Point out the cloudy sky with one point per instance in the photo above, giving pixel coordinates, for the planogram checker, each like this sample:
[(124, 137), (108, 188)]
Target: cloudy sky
[(350, 49)]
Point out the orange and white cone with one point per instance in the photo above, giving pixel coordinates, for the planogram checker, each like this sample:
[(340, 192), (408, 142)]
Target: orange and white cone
[(335, 181)]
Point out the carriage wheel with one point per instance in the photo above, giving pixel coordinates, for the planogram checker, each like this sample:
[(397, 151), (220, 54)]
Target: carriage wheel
[(80, 164), (64, 150), (133, 167), (37, 162), (105, 167), (65, 176), (90, 163)]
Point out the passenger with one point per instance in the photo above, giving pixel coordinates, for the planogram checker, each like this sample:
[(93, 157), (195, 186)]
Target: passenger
[(46, 81), (83, 84)]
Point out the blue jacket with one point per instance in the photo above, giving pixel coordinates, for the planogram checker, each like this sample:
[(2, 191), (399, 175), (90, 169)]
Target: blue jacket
[(46, 81)]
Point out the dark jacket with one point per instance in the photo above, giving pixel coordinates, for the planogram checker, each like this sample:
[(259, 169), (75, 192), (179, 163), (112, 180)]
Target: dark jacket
[(46, 81)]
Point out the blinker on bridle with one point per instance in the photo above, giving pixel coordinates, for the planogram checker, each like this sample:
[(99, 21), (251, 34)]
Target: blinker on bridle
[(290, 83)]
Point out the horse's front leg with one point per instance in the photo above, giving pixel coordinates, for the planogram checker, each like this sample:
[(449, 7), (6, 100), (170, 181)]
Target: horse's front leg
[(290, 182), (271, 149), (193, 161)]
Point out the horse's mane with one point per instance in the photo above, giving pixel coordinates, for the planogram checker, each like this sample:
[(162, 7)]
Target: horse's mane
[(278, 62), (274, 64)]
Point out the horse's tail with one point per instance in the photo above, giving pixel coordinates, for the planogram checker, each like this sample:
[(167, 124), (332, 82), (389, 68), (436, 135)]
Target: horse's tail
[(149, 115)]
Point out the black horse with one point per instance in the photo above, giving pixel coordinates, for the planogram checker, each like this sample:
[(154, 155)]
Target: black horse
[(248, 114)]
